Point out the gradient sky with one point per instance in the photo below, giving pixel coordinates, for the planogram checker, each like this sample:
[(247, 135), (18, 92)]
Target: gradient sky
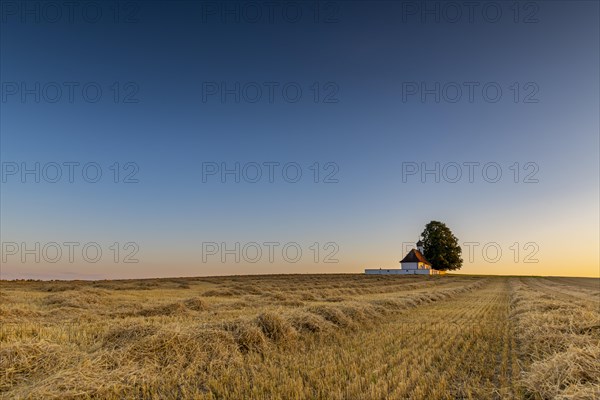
[(366, 56)]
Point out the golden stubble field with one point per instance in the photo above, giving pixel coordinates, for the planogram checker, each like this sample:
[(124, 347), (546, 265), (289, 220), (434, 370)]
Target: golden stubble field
[(302, 337)]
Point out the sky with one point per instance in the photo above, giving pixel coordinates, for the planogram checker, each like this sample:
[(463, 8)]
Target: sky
[(188, 138)]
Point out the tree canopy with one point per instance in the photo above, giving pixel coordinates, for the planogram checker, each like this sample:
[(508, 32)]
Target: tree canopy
[(441, 247)]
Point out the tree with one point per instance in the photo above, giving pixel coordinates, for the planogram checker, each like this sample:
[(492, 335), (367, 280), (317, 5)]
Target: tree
[(441, 247)]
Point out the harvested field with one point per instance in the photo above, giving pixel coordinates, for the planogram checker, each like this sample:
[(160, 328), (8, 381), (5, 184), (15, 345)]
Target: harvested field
[(302, 336)]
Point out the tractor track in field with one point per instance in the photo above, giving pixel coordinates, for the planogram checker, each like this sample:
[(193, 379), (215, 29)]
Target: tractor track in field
[(458, 347), (478, 323)]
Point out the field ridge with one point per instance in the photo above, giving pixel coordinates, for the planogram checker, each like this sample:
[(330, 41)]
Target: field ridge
[(303, 336)]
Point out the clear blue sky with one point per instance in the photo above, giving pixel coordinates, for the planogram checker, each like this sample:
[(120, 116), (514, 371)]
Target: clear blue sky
[(370, 61)]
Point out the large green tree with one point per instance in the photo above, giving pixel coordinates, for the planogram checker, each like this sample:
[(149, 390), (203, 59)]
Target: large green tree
[(441, 247)]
